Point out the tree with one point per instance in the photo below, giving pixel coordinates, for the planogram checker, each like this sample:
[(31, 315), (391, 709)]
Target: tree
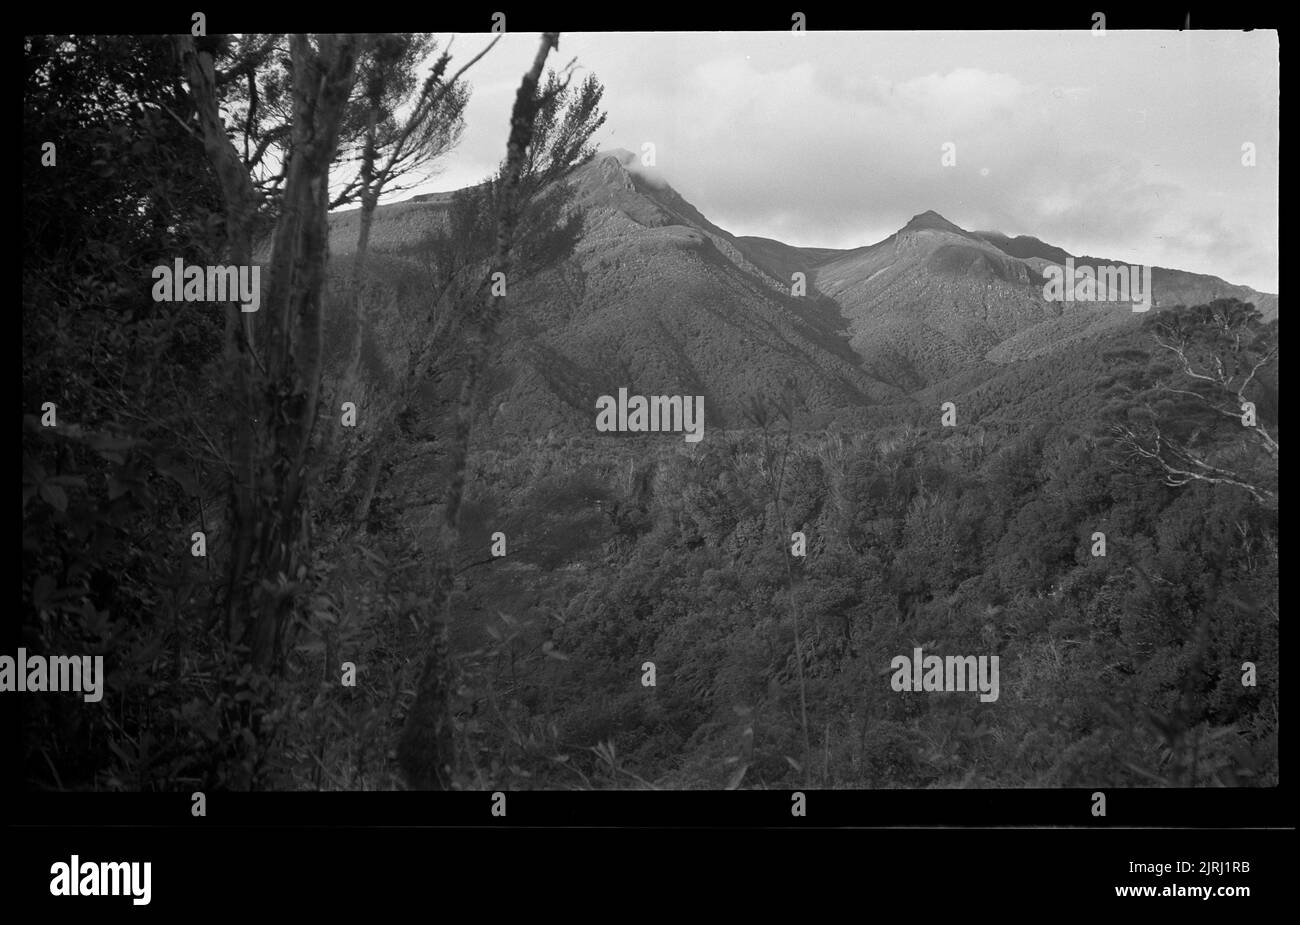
[(533, 164), (390, 147), (460, 257), (294, 106), (1205, 410), (274, 355)]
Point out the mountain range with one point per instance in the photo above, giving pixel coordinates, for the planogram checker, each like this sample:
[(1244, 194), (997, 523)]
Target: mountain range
[(660, 300)]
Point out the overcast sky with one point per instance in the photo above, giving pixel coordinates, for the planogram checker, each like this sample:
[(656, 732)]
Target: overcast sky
[(1126, 146)]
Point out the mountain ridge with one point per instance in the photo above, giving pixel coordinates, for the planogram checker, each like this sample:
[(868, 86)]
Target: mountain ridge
[(659, 299)]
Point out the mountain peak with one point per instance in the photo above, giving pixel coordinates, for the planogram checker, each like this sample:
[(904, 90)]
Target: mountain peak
[(931, 220), (622, 155), (631, 163)]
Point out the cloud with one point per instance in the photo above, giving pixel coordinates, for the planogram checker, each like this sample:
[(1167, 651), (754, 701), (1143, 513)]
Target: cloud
[(1128, 147)]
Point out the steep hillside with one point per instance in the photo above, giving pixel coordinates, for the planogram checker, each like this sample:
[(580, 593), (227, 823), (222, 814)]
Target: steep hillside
[(655, 299), (936, 301), (1023, 246)]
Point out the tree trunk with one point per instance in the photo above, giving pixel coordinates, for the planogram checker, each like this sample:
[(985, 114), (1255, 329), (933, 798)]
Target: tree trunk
[(322, 84), (240, 202), (277, 374)]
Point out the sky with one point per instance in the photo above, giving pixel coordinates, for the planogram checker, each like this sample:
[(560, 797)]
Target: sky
[(1127, 145)]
